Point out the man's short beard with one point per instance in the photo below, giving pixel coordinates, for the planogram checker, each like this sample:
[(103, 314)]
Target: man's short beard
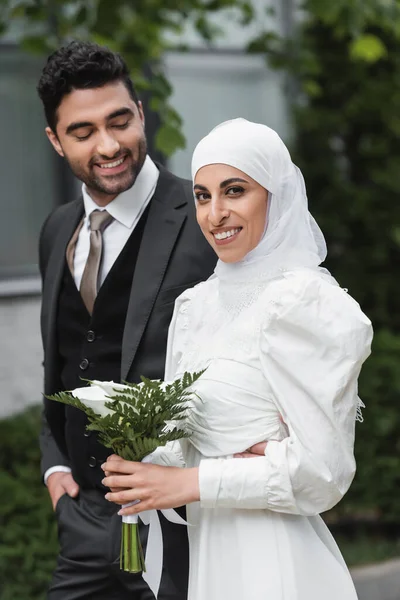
[(96, 184)]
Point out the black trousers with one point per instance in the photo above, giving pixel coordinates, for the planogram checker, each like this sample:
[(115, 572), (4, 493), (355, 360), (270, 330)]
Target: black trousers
[(89, 532)]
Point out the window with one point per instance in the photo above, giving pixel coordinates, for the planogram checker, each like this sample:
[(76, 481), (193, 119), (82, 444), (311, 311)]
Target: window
[(211, 87), (31, 175)]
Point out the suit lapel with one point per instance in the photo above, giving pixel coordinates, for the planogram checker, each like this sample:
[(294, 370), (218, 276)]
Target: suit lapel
[(163, 225), (54, 273)]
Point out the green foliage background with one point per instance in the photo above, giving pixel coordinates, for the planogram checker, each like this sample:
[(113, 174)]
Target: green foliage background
[(28, 538), (343, 62)]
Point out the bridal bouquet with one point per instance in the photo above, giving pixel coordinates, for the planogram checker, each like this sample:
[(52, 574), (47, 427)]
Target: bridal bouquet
[(134, 420)]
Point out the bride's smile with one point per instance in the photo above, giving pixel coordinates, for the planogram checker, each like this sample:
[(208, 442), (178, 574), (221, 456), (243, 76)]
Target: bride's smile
[(226, 235), (231, 210)]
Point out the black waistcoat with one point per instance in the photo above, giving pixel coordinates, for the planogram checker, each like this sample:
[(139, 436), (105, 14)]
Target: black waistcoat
[(90, 348)]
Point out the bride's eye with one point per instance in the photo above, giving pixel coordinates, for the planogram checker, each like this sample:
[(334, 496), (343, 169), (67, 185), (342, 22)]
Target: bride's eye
[(235, 190), (202, 197)]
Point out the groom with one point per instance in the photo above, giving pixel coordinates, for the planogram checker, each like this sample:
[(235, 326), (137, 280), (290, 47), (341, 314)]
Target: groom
[(112, 263)]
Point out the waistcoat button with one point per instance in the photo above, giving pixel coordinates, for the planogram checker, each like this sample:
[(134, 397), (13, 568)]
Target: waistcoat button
[(84, 364), (92, 462), (90, 336)]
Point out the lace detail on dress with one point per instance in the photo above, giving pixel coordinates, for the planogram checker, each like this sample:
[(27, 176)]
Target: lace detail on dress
[(229, 325), (359, 415)]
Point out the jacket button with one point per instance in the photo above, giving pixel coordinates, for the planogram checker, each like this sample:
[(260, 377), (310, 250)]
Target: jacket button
[(84, 364), (90, 336), (92, 462), (87, 434)]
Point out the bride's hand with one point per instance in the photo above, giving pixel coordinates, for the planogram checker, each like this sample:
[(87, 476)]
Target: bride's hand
[(253, 451), (156, 487), (108, 473)]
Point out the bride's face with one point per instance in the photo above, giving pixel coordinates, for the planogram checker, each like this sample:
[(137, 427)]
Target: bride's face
[(231, 210)]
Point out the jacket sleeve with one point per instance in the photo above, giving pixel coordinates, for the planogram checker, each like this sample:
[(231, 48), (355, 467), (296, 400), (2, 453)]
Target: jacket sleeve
[(51, 455)]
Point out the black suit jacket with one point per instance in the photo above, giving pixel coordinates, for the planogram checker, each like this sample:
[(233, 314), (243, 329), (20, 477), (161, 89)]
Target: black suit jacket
[(173, 256)]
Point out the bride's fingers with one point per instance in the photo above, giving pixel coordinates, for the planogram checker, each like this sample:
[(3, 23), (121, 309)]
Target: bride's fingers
[(110, 473), (258, 449), (244, 455), (122, 496), (253, 452), (118, 481), (114, 457), (120, 466)]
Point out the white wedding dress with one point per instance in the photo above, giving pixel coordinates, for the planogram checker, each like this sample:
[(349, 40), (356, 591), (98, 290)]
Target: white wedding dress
[(282, 360)]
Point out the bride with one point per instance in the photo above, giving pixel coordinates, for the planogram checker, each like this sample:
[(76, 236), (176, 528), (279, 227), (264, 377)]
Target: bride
[(283, 346)]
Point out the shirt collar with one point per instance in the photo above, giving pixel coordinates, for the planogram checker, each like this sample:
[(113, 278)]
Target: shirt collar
[(126, 206)]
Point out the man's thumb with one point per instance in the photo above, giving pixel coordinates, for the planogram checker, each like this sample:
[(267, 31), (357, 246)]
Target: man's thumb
[(72, 489)]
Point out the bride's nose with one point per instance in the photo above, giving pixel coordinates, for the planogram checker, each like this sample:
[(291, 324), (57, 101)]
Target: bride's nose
[(218, 212)]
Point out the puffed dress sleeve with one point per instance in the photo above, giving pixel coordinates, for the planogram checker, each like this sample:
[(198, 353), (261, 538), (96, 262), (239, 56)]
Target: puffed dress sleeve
[(312, 345)]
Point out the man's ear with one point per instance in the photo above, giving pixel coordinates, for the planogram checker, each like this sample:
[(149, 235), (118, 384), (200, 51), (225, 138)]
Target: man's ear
[(54, 141), (141, 113)]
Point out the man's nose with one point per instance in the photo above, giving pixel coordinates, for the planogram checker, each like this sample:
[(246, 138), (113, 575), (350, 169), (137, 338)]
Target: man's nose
[(108, 146)]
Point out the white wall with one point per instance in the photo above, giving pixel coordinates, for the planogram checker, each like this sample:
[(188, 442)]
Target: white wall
[(20, 354)]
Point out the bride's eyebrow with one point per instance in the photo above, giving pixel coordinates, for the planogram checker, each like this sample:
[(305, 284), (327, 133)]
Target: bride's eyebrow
[(202, 188), (223, 184)]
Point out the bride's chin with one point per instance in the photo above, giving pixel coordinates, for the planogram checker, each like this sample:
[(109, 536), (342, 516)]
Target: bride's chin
[(225, 258)]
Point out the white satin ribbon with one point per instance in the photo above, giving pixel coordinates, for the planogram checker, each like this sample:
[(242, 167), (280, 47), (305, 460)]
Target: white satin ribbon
[(155, 546)]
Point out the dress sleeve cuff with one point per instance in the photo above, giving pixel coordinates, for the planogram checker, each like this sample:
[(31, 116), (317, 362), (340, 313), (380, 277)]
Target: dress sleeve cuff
[(234, 483), (210, 472)]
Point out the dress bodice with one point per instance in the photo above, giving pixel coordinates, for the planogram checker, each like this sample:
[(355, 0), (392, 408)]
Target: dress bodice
[(281, 361), (234, 409)]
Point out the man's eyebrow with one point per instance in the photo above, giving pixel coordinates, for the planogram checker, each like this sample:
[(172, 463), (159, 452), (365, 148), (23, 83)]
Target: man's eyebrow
[(78, 125), (232, 180), (120, 113), (116, 113)]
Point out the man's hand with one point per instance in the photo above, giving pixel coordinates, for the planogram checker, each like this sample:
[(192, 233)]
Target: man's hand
[(59, 484), (253, 452)]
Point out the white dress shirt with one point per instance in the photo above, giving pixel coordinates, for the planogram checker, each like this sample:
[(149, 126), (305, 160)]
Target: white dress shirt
[(126, 208)]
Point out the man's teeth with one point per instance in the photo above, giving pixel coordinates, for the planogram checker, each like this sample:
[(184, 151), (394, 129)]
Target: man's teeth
[(113, 164), (226, 234)]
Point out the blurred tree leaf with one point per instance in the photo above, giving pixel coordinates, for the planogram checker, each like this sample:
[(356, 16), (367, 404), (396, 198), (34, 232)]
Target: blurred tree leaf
[(368, 47)]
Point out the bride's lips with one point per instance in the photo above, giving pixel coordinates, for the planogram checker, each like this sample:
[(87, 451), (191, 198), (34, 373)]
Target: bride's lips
[(226, 240)]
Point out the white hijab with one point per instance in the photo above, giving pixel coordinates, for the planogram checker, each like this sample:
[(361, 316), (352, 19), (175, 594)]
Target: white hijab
[(292, 238)]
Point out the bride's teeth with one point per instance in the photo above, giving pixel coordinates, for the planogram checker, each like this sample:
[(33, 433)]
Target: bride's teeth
[(226, 234), (113, 164)]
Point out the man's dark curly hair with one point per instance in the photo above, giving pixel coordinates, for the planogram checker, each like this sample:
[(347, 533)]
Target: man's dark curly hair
[(77, 66)]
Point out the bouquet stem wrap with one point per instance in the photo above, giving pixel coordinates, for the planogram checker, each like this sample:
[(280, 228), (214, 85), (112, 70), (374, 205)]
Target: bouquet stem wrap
[(131, 555)]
